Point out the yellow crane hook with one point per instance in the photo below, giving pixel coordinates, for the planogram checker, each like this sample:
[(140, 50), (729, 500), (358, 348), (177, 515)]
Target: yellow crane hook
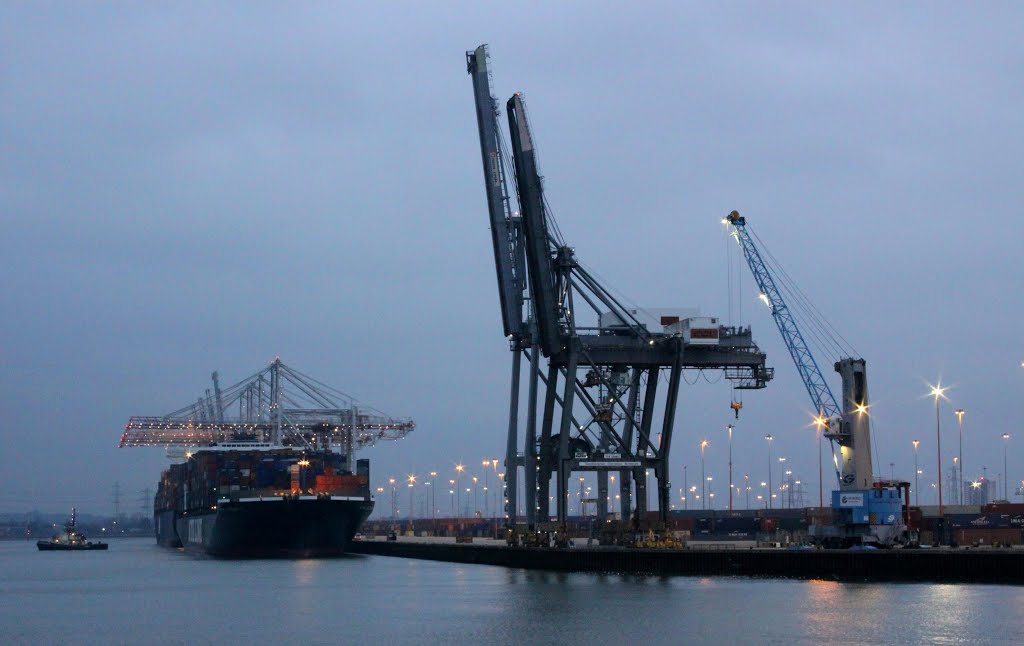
[(736, 406)]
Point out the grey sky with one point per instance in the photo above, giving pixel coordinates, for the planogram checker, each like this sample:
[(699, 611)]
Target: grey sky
[(208, 186)]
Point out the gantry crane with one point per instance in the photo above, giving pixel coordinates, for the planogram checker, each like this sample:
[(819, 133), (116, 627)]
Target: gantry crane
[(278, 406), (606, 419), (865, 510)]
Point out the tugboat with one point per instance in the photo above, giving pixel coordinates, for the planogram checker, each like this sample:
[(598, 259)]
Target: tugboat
[(69, 539)]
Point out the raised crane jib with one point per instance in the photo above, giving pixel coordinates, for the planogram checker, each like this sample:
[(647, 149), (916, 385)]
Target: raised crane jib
[(506, 232), (539, 261), (822, 399), (848, 425)]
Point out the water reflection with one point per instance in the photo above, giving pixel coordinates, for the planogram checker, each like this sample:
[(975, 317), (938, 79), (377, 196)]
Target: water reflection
[(158, 596), (304, 570)]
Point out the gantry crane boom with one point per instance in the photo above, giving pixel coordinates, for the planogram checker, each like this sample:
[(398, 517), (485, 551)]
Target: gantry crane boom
[(298, 410), (543, 278), (506, 232)]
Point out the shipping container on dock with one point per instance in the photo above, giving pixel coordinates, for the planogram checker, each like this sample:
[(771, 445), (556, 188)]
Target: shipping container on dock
[(988, 536), (984, 521), (1014, 508), (915, 518), (726, 528)]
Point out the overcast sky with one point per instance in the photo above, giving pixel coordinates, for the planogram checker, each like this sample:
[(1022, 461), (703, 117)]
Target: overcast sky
[(196, 187)]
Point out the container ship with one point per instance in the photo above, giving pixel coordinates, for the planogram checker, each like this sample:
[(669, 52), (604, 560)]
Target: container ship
[(264, 468), (254, 500)]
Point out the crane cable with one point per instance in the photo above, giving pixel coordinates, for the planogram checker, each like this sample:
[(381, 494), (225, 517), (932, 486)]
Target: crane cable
[(734, 291), (823, 335), (835, 339)]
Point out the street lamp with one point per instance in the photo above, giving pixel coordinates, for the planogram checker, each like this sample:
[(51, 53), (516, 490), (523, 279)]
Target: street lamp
[(1006, 495), (433, 501), (686, 499), (937, 392), (769, 438), (380, 491), (960, 482), (412, 488), (957, 471), (504, 499), (475, 506), (782, 462), (711, 492), (611, 479), (917, 496), (746, 486), (458, 491), (581, 495), (730, 427), (487, 504), (494, 466), (820, 424), (394, 507), (703, 445)]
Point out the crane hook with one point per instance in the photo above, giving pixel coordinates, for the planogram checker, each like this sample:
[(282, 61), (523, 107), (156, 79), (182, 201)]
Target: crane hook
[(736, 406)]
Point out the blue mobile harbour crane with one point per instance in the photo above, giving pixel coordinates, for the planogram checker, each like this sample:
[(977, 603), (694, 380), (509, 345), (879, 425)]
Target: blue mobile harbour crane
[(865, 510)]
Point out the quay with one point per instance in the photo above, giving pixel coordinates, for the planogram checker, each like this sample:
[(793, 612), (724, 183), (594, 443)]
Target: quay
[(935, 565)]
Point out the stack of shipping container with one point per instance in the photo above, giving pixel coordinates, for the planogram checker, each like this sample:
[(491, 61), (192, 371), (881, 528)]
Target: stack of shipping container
[(208, 475)]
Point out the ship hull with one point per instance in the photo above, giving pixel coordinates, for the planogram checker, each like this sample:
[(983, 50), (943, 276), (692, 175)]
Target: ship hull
[(46, 546), (303, 527), (166, 528)]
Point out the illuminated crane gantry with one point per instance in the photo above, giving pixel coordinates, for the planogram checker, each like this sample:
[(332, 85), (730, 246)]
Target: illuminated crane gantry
[(607, 419), (277, 405)]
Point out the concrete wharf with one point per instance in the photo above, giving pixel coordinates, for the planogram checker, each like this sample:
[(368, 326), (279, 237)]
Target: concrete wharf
[(939, 565)]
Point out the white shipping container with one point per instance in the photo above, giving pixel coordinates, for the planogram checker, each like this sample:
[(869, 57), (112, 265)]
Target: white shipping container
[(656, 319), (697, 330)]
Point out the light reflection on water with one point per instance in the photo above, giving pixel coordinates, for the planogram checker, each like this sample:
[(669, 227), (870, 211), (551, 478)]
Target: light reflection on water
[(138, 593)]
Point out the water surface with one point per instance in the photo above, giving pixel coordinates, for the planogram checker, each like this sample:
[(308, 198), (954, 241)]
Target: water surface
[(138, 593)]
